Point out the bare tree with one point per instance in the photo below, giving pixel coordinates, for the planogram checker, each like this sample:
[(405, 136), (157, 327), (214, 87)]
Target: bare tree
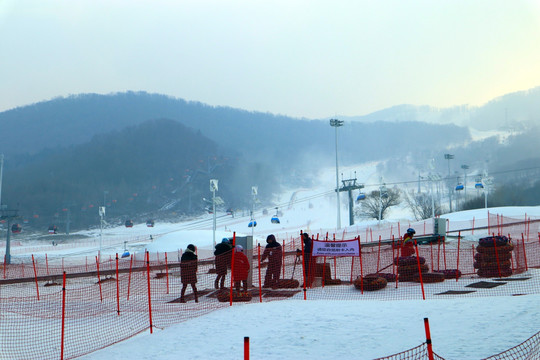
[(421, 205), (378, 203)]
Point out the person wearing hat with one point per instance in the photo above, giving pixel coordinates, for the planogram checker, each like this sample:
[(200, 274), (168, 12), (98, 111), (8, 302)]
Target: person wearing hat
[(407, 243), (274, 254), (222, 255), (308, 260), (240, 268), (188, 271)]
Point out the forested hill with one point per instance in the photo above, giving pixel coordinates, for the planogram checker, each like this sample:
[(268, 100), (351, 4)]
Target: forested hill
[(153, 169), (76, 119), (154, 154)]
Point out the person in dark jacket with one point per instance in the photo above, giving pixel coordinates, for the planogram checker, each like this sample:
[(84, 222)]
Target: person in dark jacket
[(240, 269), (308, 260), (188, 271), (223, 255), (275, 257)]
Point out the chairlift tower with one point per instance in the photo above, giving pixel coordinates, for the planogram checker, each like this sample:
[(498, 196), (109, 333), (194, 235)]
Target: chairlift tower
[(349, 185), (449, 157), (9, 215)]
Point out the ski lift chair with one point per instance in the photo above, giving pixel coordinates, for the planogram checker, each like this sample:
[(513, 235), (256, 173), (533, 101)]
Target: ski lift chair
[(459, 187), (479, 185), (16, 228), (361, 197), (252, 223), (129, 223), (275, 219)]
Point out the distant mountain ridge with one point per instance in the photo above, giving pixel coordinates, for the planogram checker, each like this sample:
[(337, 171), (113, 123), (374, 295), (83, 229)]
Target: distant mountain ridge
[(512, 111), (66, 152)]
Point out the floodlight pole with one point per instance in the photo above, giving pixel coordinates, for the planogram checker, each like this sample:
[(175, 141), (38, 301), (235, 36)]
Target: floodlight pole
[(1, 175), (465, 168), (254, 192), (101, 216), (449, 157), (382, 188), (213, 188), (335, 123)]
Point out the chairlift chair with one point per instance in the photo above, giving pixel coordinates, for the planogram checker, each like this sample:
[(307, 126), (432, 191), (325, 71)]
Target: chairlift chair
[(125, 254), (150, 223), (361, 197), (459, 187), (53, 229), (252, 223), (129, 223), (275, 219), (479, 185), (16, 228)]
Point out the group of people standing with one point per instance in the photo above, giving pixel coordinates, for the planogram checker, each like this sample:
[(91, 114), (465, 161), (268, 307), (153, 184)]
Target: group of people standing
[(224, 258)]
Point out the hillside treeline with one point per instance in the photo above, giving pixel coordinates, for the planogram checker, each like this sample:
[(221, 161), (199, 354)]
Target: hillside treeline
[(157, 168)]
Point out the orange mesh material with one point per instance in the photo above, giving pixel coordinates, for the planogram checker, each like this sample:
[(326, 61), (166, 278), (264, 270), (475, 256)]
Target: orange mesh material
[(133, 294)]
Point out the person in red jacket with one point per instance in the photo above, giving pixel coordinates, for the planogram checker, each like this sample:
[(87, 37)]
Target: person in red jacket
[(240, 268), (407, 244), (275, 257)]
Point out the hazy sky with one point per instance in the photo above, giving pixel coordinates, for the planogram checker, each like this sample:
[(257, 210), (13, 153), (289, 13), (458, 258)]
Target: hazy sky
[(303, 58)]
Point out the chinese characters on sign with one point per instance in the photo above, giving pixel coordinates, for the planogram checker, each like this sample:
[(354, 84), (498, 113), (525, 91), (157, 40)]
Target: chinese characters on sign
[(336, 248)]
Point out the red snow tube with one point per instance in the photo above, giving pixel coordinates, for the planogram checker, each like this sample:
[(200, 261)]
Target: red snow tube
[(370, 283)]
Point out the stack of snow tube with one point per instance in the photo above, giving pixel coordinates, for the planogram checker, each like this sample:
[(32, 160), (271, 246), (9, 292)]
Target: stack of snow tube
[(493, 257), (370, 282), (408, 267)]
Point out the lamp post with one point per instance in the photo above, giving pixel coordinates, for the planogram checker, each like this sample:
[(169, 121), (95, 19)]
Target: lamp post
[(465, 168), (213, 189), (1, 175), (254, 192), (382, 194), (335, 123), (101, 216), (449, 157)]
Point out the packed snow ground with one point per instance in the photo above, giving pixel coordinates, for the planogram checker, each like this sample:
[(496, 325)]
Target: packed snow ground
[(472, 328)]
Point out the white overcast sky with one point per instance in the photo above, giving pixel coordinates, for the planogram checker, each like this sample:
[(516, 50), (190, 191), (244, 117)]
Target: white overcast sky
[(303, 58)]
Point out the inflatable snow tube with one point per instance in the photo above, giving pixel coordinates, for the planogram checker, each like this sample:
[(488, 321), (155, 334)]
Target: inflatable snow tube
[(505, 272), (494, 265), (429, 278), (492, 241), (286, 284), (408, 260), (491, 250), (449, 273), (389, 277), (225, 296), (412, 269), (491, 257), (370, 283)]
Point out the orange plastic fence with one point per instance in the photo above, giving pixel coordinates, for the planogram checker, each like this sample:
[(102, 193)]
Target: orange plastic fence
[(44, 317)]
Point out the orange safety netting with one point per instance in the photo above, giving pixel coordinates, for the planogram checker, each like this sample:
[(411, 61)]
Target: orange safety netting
[(46, 315)]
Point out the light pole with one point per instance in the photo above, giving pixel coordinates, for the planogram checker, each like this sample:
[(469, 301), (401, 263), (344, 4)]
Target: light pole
[(1, 175), (335, 123), (449, 157), (254, 192), (465, 168), (101, 215), (382, 194), (213, 189)]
